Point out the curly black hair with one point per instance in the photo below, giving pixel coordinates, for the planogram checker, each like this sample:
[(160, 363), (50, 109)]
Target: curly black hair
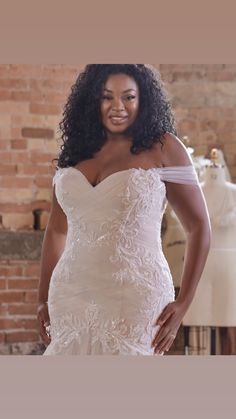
[(82, 130)]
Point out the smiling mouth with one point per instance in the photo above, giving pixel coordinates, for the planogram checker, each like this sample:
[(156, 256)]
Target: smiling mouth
[(118, 120)]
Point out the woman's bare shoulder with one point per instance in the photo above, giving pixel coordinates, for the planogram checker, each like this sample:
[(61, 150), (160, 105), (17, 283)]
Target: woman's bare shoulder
[(173, 152)]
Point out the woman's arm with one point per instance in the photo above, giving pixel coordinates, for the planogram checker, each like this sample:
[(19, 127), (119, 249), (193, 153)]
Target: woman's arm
[(52, 248), (190, 207)]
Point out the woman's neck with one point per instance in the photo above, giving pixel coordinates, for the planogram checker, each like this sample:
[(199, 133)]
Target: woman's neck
[(214, 176)]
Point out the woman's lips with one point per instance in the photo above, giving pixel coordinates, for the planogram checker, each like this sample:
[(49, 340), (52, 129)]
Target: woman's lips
[(118, 120)]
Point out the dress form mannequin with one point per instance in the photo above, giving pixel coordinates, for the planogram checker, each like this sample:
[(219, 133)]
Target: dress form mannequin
[(214, 303), (201, 163)]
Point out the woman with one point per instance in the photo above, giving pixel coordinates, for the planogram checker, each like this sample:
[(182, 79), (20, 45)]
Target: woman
[(105, 285)]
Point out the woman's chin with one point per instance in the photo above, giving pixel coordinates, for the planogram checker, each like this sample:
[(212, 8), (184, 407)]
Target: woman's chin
[(116, 129)]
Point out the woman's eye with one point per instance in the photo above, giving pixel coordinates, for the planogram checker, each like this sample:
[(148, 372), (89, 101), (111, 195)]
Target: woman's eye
[(110, 97)]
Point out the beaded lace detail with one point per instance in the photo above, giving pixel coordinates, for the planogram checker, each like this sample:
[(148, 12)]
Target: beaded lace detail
[(112, 280), (113, 335)]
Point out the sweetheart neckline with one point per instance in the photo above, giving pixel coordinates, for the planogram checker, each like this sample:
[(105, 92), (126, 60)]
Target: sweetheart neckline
[(112, 174), (166, 168)]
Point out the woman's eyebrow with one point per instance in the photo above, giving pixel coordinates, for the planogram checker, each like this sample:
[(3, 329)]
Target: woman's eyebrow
[(124, 91)]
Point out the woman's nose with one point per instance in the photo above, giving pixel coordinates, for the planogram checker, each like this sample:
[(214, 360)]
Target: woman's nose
[(117, 104)]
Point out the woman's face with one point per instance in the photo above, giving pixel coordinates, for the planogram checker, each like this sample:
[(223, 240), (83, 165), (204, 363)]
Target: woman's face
[(119, 102)]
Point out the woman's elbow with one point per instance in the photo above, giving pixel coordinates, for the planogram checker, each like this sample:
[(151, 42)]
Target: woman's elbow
[(202, 232), (207, 234)]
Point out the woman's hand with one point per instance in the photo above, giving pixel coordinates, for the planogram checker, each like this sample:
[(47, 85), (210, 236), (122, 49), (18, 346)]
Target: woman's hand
[(44, 322), (169, 322)]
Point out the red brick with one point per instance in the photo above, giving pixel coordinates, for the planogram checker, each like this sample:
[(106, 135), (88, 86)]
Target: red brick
[(2, 337), (13, 83), (32, 170), (21, 208), (5, 156), (26, 308), (18, 262), (3, 284), (8, 169), (11, 296), (20, 96), (187, 125), (16, 182), (11, 271), (3, 271), (31, 296), (19, 284), (52, 84), (16, 221), (37, 133), (5, 95), (37, 96), (187, 76), (43, 181), (20, 157), (11, 107), (37, 156), (4, 262), (175, 67), (4, 144), (16, 131), (46, 84), (23, 71), (41, 204), (20, 144), (61, 71), (217, 76), (45, 109), (18, 324), (55, 98), (3, 309), (16, 120), (209, 124), (228, 125), (21, 336), (227, 112), (32, 271)]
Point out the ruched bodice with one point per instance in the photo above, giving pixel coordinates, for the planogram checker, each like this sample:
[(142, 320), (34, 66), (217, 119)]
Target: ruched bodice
[(112, 280)]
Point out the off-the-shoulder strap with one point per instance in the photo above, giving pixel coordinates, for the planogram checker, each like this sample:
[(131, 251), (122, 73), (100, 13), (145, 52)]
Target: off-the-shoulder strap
[(179, 174)]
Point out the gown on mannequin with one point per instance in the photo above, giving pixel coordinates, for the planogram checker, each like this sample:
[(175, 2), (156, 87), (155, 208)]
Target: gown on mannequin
[(112, 280), (214, 303)]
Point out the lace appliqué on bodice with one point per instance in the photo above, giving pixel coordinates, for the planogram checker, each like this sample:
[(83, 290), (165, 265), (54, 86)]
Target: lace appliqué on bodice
[(125, 235), (138, 261)]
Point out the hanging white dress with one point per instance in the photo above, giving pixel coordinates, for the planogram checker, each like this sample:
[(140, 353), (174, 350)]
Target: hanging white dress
[(214, 303), (112, 280)]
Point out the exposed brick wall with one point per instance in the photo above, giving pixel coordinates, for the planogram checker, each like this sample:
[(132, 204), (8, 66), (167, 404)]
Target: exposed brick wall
[(31, 101), (18, 285), (204, 99)]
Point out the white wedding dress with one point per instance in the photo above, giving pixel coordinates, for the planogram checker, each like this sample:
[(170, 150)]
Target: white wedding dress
[(112, 280)]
